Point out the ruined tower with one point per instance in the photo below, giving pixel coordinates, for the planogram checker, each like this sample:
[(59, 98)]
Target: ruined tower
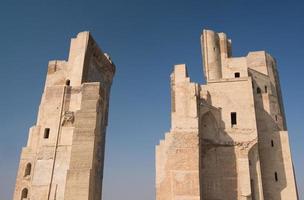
[(228, 138), (64, 155)]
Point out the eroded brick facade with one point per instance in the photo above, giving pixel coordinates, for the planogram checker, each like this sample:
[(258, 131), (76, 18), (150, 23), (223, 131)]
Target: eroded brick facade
[(228, 137), (64, 155)]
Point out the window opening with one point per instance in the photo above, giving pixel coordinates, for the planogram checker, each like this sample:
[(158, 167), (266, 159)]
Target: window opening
[(258, 90), (46, 133), (233, 119), (28, 169), (276, 176), (24, 193)]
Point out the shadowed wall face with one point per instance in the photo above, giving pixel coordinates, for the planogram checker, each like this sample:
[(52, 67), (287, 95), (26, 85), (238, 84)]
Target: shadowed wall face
[(218, 173)]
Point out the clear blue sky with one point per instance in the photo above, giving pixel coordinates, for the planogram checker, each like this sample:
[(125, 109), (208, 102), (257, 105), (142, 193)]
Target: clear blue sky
[(145, 39)]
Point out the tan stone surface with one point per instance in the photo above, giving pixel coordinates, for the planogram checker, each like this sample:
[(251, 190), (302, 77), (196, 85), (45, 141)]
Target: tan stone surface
[(205, 156), (68, 165)]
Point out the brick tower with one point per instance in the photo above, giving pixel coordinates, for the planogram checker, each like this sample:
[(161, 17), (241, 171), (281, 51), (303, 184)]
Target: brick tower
[(64, 155), (228, 138)]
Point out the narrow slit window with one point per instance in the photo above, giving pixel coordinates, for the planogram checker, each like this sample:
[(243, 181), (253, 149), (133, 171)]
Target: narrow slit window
[(233, 119), (67, 82), (266, 90), (276, 176), (24, 193), (237, 75), (28, 169), (259, 90), (272, 144), (276, 117), (46, 133)]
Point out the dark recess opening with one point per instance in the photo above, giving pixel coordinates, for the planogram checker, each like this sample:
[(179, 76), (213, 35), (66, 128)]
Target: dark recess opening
[(276, 176), (67, 82), (259, 90), (46, 133), (237, 75), (266, 89), (24, 193), (233, 118), (28, 169)]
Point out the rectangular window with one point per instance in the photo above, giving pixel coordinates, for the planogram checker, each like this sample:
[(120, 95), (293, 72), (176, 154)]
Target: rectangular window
[(46, 133), (237, 75), (276, 176), (233, 119), (266, 89)]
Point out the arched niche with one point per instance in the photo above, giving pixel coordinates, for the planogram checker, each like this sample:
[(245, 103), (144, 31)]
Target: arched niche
[(28, 169), (24, 194), (208, 127)]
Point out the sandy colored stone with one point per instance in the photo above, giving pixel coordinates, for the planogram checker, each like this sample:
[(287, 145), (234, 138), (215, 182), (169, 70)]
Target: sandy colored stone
[(68, 164), (205, 156)]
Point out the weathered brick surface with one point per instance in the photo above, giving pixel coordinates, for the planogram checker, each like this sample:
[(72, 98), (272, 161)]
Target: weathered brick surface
[(68, 164), (205, 156)]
